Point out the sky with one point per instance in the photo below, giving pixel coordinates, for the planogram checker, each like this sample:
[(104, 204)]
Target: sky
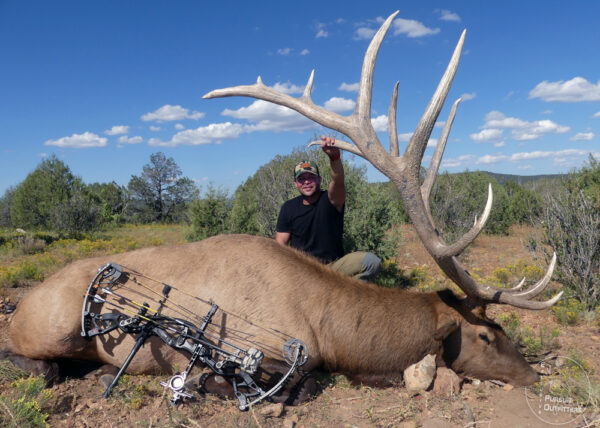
[(104, 84)]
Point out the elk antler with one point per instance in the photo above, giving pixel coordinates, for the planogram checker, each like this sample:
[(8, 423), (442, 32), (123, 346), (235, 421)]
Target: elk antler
[(404, 170)]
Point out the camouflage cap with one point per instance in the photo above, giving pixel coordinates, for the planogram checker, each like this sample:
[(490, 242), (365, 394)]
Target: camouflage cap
[(306, 166)]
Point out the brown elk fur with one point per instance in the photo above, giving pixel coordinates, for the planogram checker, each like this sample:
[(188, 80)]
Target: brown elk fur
[(349, 326)]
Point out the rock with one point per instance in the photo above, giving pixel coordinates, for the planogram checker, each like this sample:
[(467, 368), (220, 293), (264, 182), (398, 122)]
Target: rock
[(290, 421), (508, 387), (447, 383), (19, 230), (418, 377), (274, 410)]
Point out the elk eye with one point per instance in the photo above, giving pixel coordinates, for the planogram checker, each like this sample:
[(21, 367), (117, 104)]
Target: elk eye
[(484, 337)]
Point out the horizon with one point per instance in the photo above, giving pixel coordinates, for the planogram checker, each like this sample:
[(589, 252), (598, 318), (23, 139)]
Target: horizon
[(103, 86)]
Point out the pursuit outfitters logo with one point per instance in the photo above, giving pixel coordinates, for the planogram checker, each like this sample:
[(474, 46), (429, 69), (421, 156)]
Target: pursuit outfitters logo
[(563, 392)]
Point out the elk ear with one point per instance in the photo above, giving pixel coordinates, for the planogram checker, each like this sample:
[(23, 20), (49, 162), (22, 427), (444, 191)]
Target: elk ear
[(446, 329)]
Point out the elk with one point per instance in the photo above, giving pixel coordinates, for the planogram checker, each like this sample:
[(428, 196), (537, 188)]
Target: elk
[(369, 333)]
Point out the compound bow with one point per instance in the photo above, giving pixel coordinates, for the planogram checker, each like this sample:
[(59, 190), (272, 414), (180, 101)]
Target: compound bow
[(131, 317)]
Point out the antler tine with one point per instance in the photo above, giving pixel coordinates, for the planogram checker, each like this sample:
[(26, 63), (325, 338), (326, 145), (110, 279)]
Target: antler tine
[(418, 142), (392, 128), (436, 160), (342, 145), (308, 87), (541, 284)]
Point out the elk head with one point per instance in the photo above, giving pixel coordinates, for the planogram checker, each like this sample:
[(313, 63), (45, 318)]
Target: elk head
[(403, 170)]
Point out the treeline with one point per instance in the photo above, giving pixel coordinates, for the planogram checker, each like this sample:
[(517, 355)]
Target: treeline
[(566, 208)]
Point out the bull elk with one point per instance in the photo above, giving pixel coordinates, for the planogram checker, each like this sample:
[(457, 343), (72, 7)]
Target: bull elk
[(268, 292)]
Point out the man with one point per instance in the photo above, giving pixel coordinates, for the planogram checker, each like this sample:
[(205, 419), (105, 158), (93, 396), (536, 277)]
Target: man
[(314, 221)]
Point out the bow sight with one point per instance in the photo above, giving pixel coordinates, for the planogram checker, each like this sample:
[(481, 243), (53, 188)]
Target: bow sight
[(224, 358)]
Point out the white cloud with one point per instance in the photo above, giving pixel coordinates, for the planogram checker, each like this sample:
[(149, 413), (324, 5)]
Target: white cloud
[(284, 51), (271, 117), (486, 135), (575, 90), (597, 114), (155, 128), (321, 34), (380, 123), (130, 140), (338, 104), (304, 52), (117, 130), (522, 130), (213, 133), (79, 141), (288, 88), (364, 33), (468, 96), (488, 159), (446, 15), (353, 87), (582, 136), (179, 126), (169, 113), (412, 28), (455, 162)]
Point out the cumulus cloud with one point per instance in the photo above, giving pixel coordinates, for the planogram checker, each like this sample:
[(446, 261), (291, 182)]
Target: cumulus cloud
[(304, 52), (364, 33), (468, 96), (213, 133), (559, 157), (288, 88), (117, 130), (271, 117), (321, 31), (582, 136), (179, 126), (169, 113), (486, 135), (155, 128), (456, 162), (571, 91), (597, 114), (338, 104), (522, 130), (405, 138), (380, 123), (412, 28), (79, 141), (353, 87), (446, 15), (284, 51), (130, 140)]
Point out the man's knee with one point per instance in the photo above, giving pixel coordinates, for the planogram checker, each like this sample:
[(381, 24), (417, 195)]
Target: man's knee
[(371, 266)]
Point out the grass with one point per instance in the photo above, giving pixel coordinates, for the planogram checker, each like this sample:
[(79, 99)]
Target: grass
[(532, 343), (23, 405), (27, 259)]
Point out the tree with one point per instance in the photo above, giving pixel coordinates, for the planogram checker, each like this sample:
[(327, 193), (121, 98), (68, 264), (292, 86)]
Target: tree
[(112, 198), (78, 214), (458, 198), (524, 206), (5, 203), (36, 198), (160, 193), (209, 216)]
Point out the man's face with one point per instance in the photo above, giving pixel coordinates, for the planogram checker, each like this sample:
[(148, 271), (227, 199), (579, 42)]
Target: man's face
[(307, 183)]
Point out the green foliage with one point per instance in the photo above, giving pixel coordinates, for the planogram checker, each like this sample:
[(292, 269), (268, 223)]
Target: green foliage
[(36, 199), (160, 193), (457, 199), (209, 216), (23, 405), (524, 205), (569, 311), (572, 229), (5, 203), (112, 198), (76, 216), (531, 344)]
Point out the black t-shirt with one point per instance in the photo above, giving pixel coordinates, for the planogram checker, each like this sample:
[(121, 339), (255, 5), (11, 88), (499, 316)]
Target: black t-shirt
[(315, 229)]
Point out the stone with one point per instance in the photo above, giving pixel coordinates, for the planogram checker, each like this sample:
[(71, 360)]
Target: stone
[(290, 421), (447, 383), (274, 410), (418, 377)]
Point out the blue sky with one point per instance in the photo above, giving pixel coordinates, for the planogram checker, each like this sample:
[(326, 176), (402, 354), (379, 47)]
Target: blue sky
[(104, 84)]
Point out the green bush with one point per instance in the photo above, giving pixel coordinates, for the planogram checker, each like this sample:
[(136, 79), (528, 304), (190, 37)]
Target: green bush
[(23, 406)]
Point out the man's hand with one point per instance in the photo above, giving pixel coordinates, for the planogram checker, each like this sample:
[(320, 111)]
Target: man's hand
[(328, 146)]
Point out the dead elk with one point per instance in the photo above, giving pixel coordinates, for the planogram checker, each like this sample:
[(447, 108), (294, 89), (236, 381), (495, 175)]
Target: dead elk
[(370, 333)]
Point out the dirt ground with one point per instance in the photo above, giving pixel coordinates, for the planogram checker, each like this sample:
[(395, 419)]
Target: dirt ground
[(141, 401)]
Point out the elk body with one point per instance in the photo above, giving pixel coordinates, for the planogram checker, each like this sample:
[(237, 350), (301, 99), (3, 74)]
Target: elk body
[(370, 333)]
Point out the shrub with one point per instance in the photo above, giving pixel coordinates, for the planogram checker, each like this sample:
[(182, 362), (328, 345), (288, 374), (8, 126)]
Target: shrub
[(23, 405)]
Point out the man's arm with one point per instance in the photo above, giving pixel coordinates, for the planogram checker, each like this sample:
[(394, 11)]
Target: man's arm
[(337, 188), (282, 238)]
